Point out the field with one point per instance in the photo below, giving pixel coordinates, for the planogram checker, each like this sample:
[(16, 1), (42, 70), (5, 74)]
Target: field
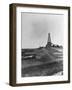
[(42, 62)]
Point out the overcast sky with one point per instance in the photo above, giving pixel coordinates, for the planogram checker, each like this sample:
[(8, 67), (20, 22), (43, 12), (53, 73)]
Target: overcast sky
[(35, 29)]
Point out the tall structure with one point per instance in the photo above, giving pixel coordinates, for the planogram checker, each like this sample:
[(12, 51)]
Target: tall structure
[(49, 40)]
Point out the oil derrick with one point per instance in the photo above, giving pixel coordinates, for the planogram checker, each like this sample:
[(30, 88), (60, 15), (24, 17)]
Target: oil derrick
[(48, 41)]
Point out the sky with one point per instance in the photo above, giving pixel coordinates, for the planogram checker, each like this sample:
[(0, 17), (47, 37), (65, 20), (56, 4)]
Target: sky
[(35, 28)]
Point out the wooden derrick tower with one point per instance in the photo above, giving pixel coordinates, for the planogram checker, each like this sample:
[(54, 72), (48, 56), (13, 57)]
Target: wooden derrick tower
[(49, 40)]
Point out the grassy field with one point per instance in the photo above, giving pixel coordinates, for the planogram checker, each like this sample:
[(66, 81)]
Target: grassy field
[(43, 70), (49, 63)]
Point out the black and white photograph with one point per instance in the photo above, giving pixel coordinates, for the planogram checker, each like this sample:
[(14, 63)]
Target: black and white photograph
[(42, 44)]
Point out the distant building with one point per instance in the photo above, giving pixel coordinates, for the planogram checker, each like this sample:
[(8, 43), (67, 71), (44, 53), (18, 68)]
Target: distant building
[(49, 41)]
